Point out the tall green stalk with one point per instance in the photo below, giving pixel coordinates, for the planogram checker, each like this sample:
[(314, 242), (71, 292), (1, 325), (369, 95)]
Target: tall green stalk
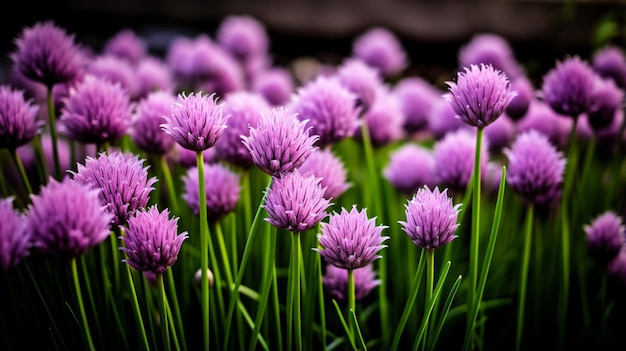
[(53, 133), (171, 190), (22, 172), (430, 278), (81, 305), (165, 334), (204, 249), (523, 278)]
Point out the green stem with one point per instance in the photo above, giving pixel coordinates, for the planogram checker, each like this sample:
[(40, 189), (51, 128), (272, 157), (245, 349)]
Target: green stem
[(53, 133), (430, 278), (265, 288), (524, 275), (165, 334), (204, 249), (136, 309), (20, 168), (296, 247), (351, 298), (171, 190), (320, 295), (410, 302), (475, 236), (179, 319), (41, 161), (81, 305)]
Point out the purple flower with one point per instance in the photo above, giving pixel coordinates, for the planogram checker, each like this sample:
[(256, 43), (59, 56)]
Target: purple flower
[(242, 36), (96, 111), (361, 79), (214, 69), (610, 62), (431, 218), (542, 118), (222, 190), (14, 236), (47, 54), (381, 49), (454, 159), (126, 45), (179, 58), (245, 109), (350, 240), (490, 48), (518, 106), (296, 202), (335, 282), (329, 107), (480, 95), (18, 118), (276, 85), (196, 121), (410, 167), (325, 165), (280, 142), (153, 74), (605, 236), (568, 87), (417, 99), (443, 120), (115, 70), (152, 242), (535, 168), (384, 119), (66, 218), (146, 122), (617, 267), (607, 98), (123, 180), (499, 134)]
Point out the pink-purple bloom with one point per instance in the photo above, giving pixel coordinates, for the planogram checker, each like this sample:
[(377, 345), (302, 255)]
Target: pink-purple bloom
[(276, 85), (146, 122), (380, 48), (410, 167), (152, 242), (490, 49), (568, 87), (152, 74), (335, 282), (605, 236), (67, 218), (245, 109), (607, 98), (361, 79), (480, 95), (542, 118), (329, 107), (115, 70), (47, 54), (326, 165), (122, 179), (535, 169), (417, 99), (499, 134), (126, 45), (431, 218), (610, 62), (242, 36), (14, 235), (196, 121), (96, 111), (351, 240), (280, 142), (384, 119), (443, 120), (18, 118), (517, 108), (296, 202), (222, 190)]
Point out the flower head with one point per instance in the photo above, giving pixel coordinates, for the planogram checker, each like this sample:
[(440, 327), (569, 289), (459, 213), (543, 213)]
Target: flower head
[(490, 49), (115, 70), (535, 168), (335, 282), (215, 69), (221, 186), (47, 54), (245, 109), (96, 111), (443, 120), (296, 202), (542, 118), (480, 95), (518, 106), (127, 45), (431, 218), (330, 169), (606, 101), (410, 167), (152, 75), (499, 134), (384, 119), (66, 218), (417, 99), (605, 236), (616, 269), (18, 118), (196, 121), (146, 122), (152, 242), (381, 49), (276, 85), (14, 236), (280, 142), (361, 79), (122, 179), (610, 62), (454, 159), (568, 87), (242, 36), (350, 240), (329, 107)]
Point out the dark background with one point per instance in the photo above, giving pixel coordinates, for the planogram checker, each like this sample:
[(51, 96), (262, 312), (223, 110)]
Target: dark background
[(431, 31)]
